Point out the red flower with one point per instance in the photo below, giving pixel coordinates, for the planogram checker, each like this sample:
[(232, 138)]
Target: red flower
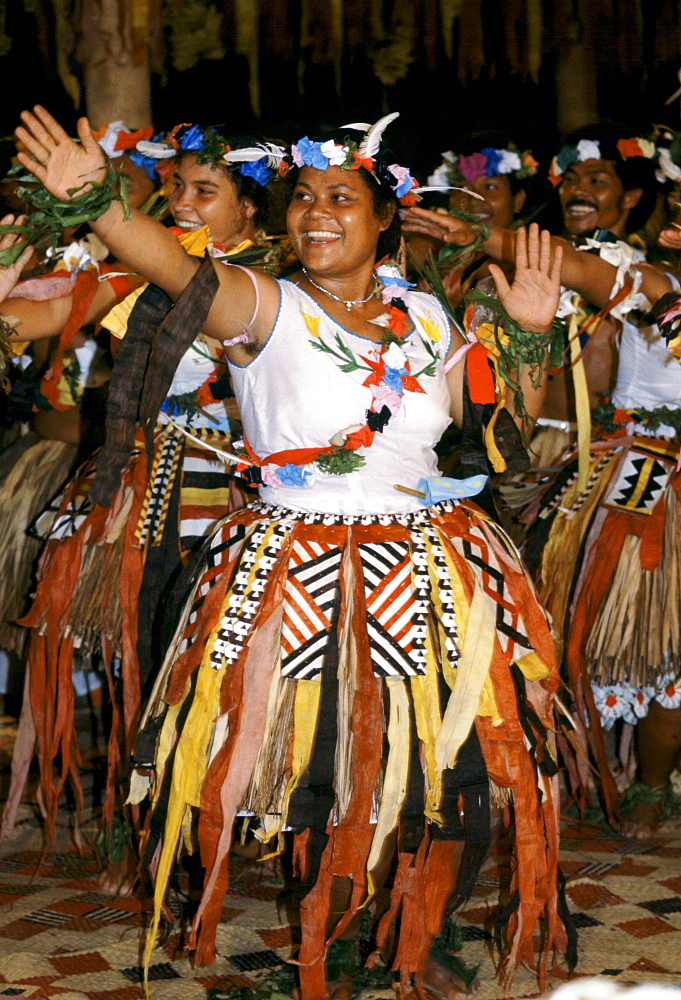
[(628, 147), (204, 396), (128, 140), (398, 321), (360, 439), (358, 162)]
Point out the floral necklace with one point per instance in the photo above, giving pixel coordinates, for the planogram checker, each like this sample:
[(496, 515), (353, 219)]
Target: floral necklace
[(388, 379)]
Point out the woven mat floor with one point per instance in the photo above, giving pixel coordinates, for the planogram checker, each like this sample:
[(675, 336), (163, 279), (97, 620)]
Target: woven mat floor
[(61, 936)]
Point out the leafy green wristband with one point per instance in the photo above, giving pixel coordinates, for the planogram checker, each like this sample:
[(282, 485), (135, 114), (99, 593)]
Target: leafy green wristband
[(50, 217)]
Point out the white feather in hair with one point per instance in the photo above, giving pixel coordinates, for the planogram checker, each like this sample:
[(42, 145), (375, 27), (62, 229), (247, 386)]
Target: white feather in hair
[(274, 154), (371, 142)]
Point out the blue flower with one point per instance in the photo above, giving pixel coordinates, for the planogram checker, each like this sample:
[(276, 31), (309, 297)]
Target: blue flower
[(146, 162), (257, 170), (311, 153), (192, 138), (392, 377), (494, 160), (566, 156), (293, 475)]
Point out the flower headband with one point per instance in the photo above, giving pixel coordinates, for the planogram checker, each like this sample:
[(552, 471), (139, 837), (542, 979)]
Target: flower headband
[(590, 149), (115, 139), (352, 155), (257, 162), (487, 162)]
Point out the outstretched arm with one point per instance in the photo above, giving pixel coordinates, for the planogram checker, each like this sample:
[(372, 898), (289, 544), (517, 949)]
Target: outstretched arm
[(63, 166), (531, 301), (586, 273)]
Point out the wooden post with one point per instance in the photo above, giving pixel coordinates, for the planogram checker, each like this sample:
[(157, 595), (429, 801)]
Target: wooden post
[(115, 57), (577, 102)]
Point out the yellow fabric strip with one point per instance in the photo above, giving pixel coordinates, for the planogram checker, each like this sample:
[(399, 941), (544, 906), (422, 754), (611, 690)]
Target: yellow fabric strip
[(473, 667), (428, 715), (396, 773), (188, 774), (581, 402), (305, 714)]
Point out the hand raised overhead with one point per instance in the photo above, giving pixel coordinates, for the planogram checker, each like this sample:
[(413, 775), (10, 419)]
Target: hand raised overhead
[(60, 164), (532, 298)]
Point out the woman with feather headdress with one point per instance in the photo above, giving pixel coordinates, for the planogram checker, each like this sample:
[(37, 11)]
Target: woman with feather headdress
[(358, 651)]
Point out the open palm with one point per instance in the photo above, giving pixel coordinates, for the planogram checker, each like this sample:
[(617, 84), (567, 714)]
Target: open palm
[(60, 164), (532, 299), (10, 275)]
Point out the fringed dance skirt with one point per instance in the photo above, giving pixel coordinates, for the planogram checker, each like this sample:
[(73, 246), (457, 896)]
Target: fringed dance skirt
[(32, 469), (607, 562), (364, 682), (101, 568)]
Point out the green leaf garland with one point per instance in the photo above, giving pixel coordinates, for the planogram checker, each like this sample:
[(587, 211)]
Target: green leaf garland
[(524, 347), (50, 217)]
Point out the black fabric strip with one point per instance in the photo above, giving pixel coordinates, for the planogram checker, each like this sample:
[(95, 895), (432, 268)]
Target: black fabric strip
[(144, 368), (412, 821), (313, 800), (173, 340), (571, 952), (533, 727), (125, 388)]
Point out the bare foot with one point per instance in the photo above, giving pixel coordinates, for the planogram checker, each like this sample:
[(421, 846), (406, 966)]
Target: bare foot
[(341, 989), (443, 982), (116, 879), (253, 849), (642, 822)]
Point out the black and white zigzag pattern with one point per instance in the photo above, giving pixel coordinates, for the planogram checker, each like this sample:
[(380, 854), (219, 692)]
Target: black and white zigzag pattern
[(495, 587), (243, 599), (159, 489), (447, 617), (311, 591), (390, 618)]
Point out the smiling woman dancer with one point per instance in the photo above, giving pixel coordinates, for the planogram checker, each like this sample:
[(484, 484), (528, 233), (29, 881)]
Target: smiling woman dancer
[(357, 664), (103, 579)]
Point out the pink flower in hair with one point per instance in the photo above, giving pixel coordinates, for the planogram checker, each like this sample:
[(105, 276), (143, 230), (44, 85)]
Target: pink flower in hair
[(472, 166)]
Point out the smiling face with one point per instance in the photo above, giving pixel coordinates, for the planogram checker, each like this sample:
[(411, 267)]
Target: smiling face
[(500, 205), (593, 197), (203, 195), (333, 222)]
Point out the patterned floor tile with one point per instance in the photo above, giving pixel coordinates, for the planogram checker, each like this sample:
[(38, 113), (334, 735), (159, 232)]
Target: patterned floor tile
[(646, 927), (62, 938)]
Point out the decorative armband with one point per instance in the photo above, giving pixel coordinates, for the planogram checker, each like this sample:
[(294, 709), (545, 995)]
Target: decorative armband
[(50, 217)]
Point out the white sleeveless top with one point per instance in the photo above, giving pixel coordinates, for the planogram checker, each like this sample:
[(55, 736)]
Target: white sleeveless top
[(647, 374), (196, 365), (294, 395)]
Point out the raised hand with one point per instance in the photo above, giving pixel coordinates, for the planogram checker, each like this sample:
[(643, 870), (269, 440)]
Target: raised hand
[(10, 275), (670, 237), (532, 299), (445, 228), (59, 163)]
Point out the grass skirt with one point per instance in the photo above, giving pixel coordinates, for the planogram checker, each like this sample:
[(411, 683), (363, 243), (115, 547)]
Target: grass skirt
[(607, 562), (32, 470), (360, 681), (91, 584)]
